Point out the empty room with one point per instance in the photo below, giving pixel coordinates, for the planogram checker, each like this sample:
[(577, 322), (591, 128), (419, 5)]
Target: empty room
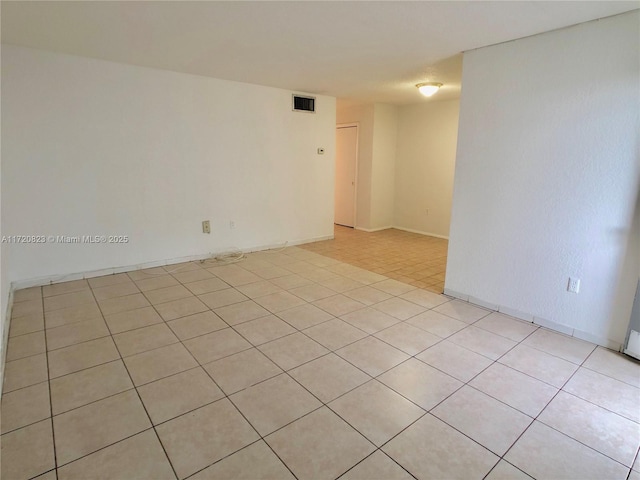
[(319, 240)]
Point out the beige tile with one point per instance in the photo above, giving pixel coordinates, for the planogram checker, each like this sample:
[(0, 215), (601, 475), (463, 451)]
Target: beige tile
[(149, 284), (634, 475), (216, 345), (423, 385), (264, 329), (271, 272), (338, 305), (28, 307), (241, 312), (293, 350), (181, 308), (117, 290), (376, 411), (123, 304), (80, 388), (68, 300), (185, 266), (319, 446), (204, 436), (140, 456), (377, 465), (600, 429), (516, 330), (175, 395), (242, 370), (50, 475), (368, 295), (167, 294), (25, 372), (196, 325), (107, 280), (545, 367), (206, 286), (66, 316), (279, 301), (516, 389), (489, 422), (393, 287), (274, 403), (238, 278), (567, 348), (27, 452), (193, 275), (370, 320), (140, 317), (606, 392), (454, 360), (255, 462), (25, 346), (222, 298), (258, 289), (159, 363), (328, 377), (108, 420), (25, 406), (83, 355), (372, 355), (25, 294), (147, 273), (463, 311), (335, 334), (291, 281), (399, 308), (407, 338), (65, 287), (505, 471), (304, 316), (313, 292), (26, 324), (436, 323), (73, 333), (425, 299), (545, 453), (427, 447), (614, 365), (480, 341), (143, 339)]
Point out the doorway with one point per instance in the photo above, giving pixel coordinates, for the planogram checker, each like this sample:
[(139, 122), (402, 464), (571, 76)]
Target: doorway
[(346, 172)]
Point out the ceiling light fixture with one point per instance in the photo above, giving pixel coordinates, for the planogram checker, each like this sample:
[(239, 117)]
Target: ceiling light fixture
[(429, 88)]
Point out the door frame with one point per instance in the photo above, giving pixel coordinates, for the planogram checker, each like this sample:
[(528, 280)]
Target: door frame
[(355, 190)]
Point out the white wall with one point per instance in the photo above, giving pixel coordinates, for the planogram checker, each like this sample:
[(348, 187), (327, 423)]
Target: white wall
[(425, 164), (547, 175), (363, 116), (385, 128), (99, 148)]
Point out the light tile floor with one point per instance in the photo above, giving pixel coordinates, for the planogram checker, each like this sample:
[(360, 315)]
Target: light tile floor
[(418, 260), (295, 365)]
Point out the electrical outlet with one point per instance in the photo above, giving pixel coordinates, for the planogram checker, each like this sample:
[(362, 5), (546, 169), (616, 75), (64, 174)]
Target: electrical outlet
[(206, 226), (574, 285), (320, 151), (232, 224)]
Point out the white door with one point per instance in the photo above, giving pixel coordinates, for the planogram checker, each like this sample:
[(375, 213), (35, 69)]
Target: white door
[(346, 154)]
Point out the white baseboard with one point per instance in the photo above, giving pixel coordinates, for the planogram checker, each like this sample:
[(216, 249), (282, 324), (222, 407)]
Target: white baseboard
[(557, 327), (370, 230), (458, 295), (6, 324), (421, 232), (49, 279)]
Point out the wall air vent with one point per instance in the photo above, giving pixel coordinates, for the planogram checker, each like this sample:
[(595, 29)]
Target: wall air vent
[(304, 104)]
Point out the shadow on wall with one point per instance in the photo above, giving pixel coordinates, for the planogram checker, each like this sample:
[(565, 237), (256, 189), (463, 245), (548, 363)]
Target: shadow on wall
[(630, 266)]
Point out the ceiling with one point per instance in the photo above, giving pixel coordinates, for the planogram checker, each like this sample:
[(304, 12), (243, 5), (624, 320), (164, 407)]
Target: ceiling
[(358, 51)]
